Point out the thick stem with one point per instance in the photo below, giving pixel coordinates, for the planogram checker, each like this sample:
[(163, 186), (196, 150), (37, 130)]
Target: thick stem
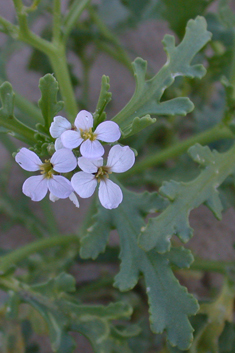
[(20, 254), (216, 133), (60, 67)]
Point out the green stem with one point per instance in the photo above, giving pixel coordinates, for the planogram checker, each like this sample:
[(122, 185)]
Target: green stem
[(56, 31), (211, 265), (19, 130), (9, 28), (216, 133), (18, 255), (60, 67), (18, 6), (49, 216), (73, 15)]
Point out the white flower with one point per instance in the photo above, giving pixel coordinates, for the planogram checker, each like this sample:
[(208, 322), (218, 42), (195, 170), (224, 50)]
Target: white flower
[(108, 131), (72, 198), (36, 187), (120, 159), (58, 126)]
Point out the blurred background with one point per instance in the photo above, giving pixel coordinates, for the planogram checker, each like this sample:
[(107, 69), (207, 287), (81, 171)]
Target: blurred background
[(140, 36)]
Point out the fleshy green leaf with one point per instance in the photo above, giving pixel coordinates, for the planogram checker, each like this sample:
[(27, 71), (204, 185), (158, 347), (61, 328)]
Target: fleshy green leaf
[(64, 314), (104, 98), (184, 197), (169, 301), (147, 96), (48, 102)]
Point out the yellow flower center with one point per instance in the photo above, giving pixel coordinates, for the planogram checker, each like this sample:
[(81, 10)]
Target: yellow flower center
[(88, 134), (47, 169), (102, 173)]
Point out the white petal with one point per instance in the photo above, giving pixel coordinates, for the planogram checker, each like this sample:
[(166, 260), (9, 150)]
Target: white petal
[(74, 199), (59, 186), (53, 198), (120, 159), (35, 187), (84, 120), (110, 194), (90, 165), (84, 184), (58, 144), (28, 160), (59, 125), (71, 139), (91, 149), (63, 161), (108, 131)]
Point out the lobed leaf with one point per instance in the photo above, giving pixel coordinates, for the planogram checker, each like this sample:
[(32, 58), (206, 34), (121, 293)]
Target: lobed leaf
[(147, 96), (48, 102), (169, 302), (184, 197)]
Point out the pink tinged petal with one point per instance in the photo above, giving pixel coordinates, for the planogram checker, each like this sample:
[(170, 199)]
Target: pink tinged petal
[(35, 187), (91, 149), (108, 131), (84, 184), (59, 125), (58, 144), (74, 199), (84, 120), (63, 161), (110, 194), (120, 159), (28, 160), (59, 186), (53, 198), (89, 165), (71, 139)]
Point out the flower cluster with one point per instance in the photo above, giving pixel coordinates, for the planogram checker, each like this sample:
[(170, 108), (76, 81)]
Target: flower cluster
[(93, 171)]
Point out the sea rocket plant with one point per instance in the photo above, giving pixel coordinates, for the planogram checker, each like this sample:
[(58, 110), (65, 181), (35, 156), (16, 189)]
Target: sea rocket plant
[(120, 159), (82, 134), (36, 187)]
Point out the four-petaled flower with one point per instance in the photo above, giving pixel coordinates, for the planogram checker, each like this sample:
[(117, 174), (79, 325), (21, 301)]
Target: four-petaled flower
[(36, 187), (58, 126), (83, 135), (120, 159)]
